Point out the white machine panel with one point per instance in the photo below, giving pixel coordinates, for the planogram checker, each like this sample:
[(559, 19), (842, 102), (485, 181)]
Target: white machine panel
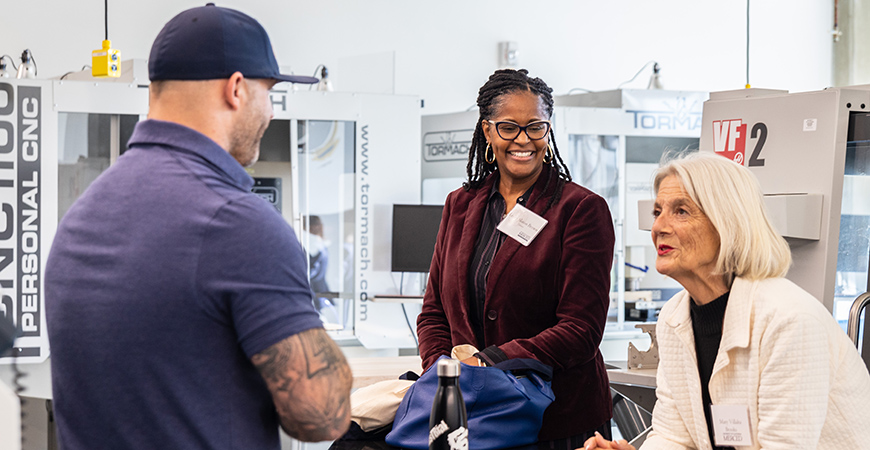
[(796, 145), (28, 196)]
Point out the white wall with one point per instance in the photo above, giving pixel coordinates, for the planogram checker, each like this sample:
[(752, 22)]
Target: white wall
[(445, 50)]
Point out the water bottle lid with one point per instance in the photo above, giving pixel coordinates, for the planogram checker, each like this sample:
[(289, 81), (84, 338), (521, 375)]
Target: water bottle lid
[(448, 368)]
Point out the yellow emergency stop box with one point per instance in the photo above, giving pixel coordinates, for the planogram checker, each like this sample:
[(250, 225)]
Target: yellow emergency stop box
[(106, 62)]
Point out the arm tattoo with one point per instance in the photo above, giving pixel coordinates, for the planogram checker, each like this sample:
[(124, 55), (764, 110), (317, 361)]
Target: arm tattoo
[(322, 354), (310, 383)]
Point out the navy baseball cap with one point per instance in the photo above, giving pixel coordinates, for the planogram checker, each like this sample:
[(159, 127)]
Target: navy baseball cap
[(210, 42)]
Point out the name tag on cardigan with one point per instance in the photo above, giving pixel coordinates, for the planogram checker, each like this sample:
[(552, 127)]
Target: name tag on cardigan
[(522, 224), (731, 425)]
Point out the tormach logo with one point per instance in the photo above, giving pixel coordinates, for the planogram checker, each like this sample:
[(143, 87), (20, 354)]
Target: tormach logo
[(680, 114), (447, 145)]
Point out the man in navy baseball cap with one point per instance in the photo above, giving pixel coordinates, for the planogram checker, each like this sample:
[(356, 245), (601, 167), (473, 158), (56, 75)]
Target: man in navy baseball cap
[(178, 304), (210, 42)]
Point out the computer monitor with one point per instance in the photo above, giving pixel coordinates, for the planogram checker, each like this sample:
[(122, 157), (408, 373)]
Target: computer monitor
[(415, 228)]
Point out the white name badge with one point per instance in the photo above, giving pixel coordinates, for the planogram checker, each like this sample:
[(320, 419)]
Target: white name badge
[(522, 224), (731, 425)]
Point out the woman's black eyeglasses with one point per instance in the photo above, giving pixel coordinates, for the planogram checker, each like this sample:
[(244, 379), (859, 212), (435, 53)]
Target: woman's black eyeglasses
[(509, 130)]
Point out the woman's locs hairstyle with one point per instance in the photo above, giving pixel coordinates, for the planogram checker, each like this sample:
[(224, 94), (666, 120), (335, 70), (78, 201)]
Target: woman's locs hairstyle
[(489, 99)]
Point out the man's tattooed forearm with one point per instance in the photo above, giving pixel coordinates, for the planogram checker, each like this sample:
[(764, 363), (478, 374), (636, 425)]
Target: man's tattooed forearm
[(310, 382)]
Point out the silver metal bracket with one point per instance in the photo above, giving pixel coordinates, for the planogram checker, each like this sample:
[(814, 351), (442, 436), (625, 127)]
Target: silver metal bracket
[(648, 359)]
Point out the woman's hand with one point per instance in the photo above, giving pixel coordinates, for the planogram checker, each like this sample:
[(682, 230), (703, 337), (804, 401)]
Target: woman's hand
[(598, 442), (473, 361)]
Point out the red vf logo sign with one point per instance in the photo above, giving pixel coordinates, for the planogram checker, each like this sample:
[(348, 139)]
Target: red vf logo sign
[(729, 140)]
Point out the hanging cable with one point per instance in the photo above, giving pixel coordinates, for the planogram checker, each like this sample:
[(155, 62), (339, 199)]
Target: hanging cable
[(19, 390), (4, 70), (747, 44), (411, 328), (405, 313), (11, 61), (578, 89), (635, 75), (8, 334), (106, 61)]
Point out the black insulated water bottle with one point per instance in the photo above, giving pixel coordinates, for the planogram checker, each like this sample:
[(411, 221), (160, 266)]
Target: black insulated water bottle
[(448, 424)]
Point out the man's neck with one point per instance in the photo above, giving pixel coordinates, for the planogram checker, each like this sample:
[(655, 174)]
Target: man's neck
[(196, 105)]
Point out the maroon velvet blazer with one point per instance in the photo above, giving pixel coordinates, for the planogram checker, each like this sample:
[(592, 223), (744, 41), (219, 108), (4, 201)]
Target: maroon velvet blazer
[(547, 301)]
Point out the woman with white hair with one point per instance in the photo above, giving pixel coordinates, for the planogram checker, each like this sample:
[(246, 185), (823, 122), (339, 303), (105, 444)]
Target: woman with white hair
[(745, 354)]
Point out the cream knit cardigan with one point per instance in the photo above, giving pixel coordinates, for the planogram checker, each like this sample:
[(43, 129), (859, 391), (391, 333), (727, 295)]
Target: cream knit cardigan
[(782, 354)]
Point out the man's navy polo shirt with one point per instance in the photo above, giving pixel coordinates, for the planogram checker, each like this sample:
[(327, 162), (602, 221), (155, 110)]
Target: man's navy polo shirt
[(163, 280)]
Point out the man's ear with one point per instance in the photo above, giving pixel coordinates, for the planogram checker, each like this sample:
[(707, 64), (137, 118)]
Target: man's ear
[(234, 90)]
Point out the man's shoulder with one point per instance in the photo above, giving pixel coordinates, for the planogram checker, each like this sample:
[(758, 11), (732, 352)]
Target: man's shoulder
[(248, 218), (247, 207)]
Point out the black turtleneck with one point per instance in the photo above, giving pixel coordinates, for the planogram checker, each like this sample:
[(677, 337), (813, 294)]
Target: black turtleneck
[(707, 323)]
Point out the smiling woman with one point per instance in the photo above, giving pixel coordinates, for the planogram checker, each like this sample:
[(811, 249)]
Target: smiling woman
[(518, 154), (514, 133), (522, 261)]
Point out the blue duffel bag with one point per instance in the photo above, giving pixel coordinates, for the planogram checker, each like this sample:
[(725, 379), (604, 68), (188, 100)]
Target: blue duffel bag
[(505, 405)]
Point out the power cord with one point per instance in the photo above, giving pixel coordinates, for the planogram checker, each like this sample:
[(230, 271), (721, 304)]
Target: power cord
[(8, 333), (11, 61), (19, 389), (635, 75), (405, 312), (747, 44), (413, 334), (84, 67), (579, 89)]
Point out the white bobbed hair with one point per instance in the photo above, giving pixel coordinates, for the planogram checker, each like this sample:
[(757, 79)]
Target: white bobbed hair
[(730, 196)]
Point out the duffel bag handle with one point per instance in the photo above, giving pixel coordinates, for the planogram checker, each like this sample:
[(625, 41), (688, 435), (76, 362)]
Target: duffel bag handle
[(519, 365)]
